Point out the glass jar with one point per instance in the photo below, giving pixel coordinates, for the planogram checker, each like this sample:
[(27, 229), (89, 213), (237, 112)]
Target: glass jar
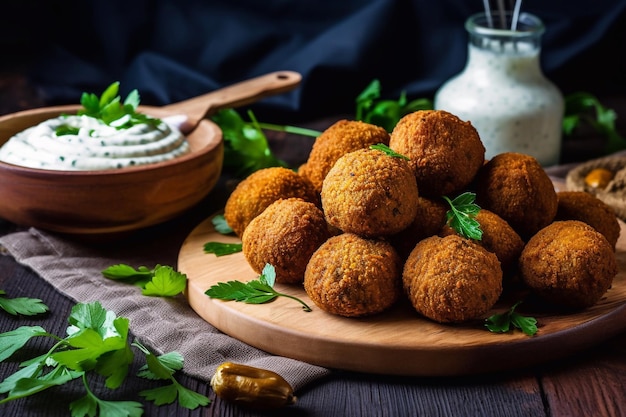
[(503, 92)]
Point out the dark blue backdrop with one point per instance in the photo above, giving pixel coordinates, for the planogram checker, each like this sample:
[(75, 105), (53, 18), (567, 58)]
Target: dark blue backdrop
[(173, 49)]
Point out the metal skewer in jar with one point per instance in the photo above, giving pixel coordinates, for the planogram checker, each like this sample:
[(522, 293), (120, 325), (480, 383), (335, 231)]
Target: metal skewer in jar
[(503, 92)]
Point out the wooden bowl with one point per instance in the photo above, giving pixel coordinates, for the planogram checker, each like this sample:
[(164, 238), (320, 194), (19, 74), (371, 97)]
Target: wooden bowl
[(107, 201)]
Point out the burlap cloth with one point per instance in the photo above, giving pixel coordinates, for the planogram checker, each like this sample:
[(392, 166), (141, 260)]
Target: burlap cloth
[(614, 194), (74, 268)]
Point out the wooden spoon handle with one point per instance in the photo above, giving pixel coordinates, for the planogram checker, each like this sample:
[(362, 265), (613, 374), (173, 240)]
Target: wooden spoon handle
[(235, 95)]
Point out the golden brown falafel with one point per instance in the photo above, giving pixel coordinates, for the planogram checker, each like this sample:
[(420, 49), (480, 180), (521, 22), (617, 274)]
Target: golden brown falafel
[(569, 264), (445, 152), (498, 237), (430, 218), (340, 138), (370, 193), (353, 276), (579, 205), (516, 188), (452, 279), (285, 235), (262, 188)]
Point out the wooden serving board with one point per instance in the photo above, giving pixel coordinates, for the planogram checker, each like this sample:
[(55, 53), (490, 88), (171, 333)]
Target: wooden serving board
[(397, 342)]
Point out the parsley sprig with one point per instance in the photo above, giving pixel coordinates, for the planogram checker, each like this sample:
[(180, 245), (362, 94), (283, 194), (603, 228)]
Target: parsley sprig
[(246, 148), (161, 281), (502, 322), (222, 249), (163, 367), (581, 107), (110, 109), (96, 344), (388, 151), (386, 113), (22, 305), (462, 216), (258, 291), (221, 225)]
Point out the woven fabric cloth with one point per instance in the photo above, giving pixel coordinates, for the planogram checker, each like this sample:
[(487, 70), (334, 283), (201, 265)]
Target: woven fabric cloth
[(163, 324)]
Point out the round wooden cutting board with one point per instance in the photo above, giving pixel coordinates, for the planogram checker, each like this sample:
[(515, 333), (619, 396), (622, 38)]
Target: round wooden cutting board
[(397, 342)]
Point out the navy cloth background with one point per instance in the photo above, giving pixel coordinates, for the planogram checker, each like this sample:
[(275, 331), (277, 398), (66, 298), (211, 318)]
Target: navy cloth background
[(174, 49)]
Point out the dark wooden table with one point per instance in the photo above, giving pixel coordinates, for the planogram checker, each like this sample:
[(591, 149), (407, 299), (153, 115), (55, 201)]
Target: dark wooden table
[(591, 383)]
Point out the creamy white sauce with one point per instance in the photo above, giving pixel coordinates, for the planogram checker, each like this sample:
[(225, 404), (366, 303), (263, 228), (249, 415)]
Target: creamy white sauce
[(97, 146), (506, 97)]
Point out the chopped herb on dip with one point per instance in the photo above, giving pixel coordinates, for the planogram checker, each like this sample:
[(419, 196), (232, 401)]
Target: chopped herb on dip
[(105, 134)]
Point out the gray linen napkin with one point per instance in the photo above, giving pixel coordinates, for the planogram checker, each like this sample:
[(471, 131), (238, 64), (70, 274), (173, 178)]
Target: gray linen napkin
[(74, 268)]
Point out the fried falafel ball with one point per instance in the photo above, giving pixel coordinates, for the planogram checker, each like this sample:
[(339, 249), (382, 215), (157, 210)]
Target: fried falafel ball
[(430, 218), (516, 188), (285, 235), (579, 205), (445, 152), (452, 279), (262, 188), (337, 140), (370, 193), (569, 264), (353, 276), (498, 237)]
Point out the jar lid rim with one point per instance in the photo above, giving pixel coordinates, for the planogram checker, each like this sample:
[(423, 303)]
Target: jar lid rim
[(528, 25)]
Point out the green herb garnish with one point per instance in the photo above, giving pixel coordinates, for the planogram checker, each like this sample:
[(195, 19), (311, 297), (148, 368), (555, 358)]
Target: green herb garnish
[(22, 305), (96, 345), (386, 113), (246, 148), (161, 281), (502, 322), (110, 109), (388, 151), (462, 216), (257, 291), (221, 225), (584, 107), (222, 249), (163, 367)]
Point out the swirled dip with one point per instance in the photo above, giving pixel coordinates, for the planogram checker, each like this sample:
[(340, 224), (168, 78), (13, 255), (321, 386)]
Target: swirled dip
[(96, 146)]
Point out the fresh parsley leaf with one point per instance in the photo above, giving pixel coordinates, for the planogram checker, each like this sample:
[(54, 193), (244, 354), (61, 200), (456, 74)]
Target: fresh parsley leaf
[(581, 107), (221, 249), (257, 291), (161, 281), (462, 216), (502, 322), (22, 305), (110, 109), (25, 387), (167, 394), (90, 405), (221, 225), (386, 113), (163, 367), (166, 282), (96, 341), (246, 148), (123, 271), (66, 130), (14, 340), (388, 151)]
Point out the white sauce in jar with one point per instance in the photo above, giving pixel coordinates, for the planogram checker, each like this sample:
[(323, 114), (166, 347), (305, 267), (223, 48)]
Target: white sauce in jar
[(96, 146), (506, 97)]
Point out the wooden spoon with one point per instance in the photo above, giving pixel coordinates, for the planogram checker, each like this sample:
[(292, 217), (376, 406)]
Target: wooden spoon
[(235, 95)]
